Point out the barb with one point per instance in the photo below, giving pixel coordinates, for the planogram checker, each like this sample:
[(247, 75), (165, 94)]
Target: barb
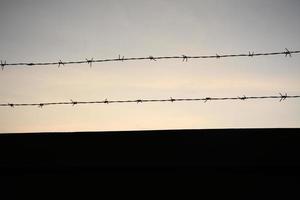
[(73, 102), (139, 101), (287, 52), (152, 58), (281, 98), (11, 105), (121, 59), (243, 98), (60, 63), (3, 64), (105, 101), (185, 58), (207, 99), (90, 61)]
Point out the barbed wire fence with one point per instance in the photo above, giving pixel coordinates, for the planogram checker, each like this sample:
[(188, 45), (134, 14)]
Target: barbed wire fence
[(184, 58)]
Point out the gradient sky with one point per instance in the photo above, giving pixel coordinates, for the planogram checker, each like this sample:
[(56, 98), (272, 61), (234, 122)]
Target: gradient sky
[(41, 31)]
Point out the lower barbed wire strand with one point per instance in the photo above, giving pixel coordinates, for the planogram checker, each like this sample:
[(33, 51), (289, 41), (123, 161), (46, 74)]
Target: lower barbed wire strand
[(205, 99)]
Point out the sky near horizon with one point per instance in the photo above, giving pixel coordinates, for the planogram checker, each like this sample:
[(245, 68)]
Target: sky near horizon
[(53, 30)]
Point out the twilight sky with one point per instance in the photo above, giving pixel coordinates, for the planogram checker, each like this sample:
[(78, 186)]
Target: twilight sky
[(41, 31)]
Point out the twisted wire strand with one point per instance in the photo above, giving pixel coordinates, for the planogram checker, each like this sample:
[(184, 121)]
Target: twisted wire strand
[(183, 57), (281, 97)]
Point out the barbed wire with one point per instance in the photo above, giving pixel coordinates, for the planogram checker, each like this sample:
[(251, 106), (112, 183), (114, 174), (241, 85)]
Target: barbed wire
[(281, 97), (184, 58)]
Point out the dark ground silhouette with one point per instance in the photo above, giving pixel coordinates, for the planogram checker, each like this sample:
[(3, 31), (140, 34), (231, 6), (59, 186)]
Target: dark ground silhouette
[(269, 157)]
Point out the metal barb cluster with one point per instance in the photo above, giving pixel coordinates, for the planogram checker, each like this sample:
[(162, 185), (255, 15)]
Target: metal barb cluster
[(243, 98), (251, 54), (287, 53), (73, 102), (152, 58), (60, 63), (90, 61), (281, 98), (3, 63), (11, 105), (121, 59), (184, 58)]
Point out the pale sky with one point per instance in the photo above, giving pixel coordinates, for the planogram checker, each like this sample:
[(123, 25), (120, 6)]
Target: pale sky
[(42, 31)]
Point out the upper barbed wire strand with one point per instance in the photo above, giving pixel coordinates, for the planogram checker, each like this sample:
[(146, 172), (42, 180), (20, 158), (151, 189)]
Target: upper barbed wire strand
[(184, 58)]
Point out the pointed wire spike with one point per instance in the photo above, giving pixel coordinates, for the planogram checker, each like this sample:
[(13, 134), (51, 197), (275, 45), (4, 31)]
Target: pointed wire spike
[(283, 97), (60, 63), (121, 59), (287, 52), (243, 98), (280, 97), (152, 58), (207, 99), (73, 102), (3, 64), (11, 105), (90, 61)]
